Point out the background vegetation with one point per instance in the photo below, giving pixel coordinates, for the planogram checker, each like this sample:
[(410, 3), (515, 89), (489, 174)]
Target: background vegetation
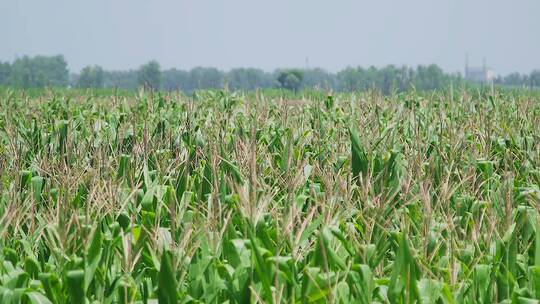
[(42, 71)]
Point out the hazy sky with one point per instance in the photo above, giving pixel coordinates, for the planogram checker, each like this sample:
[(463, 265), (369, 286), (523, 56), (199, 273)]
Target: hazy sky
[(122, 34)]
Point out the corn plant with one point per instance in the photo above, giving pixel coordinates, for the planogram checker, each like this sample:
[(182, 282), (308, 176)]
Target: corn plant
[(227, 197)]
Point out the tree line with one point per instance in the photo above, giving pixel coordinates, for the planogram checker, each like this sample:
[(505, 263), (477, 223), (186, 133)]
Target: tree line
[(387, 79), (531, 80), (52, 71), (35, 72)]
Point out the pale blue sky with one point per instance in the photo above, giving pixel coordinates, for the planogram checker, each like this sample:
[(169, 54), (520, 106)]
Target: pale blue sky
[(122, 34)]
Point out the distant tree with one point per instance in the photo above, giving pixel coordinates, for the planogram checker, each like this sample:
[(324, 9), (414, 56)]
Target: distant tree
[(348, 79), (370, 78), (318, 78), (429, 77), (58, 74), (513, 79), (5, 71), (248, 79), (534, 78), (91, 77), (121, 79), (290, 79), (174, 80), (391, 78), (39, 71), (149, 75), (388, 79), (205, 78)]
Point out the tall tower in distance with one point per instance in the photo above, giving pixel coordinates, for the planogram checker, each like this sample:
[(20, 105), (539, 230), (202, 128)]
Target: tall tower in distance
[(482, 74)]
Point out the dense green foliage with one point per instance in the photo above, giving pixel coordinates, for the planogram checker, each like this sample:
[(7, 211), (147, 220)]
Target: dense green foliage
[(149, 75), (5, 72), (531, 80), (91, 77), (290, 79), (249, 79), (43, 71), (388, 79), (231, 198), (35, 72)]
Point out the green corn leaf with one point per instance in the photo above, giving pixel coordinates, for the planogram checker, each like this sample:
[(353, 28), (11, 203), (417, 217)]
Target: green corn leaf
[(167, 285), (482, 283), (26, 179), (285, 153), (365, 283), (261, 269), (31, 266), (232, 170), (52, 286), (207, 181), (123, 166), (37, 187), (34, 297), (75, 286), (359, 159), (404, 281), (93, 257), (537, 244)]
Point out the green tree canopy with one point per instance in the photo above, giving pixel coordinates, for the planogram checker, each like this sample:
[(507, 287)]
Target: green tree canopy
[(91, 77), (248, 79), (318, 78), (205, 78), (5, 70), (174, 79), (534, 78), (149, 75), (39, 71), (290, 79)]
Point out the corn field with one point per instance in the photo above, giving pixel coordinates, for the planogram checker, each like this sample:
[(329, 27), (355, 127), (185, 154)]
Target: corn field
[(226, 197)]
